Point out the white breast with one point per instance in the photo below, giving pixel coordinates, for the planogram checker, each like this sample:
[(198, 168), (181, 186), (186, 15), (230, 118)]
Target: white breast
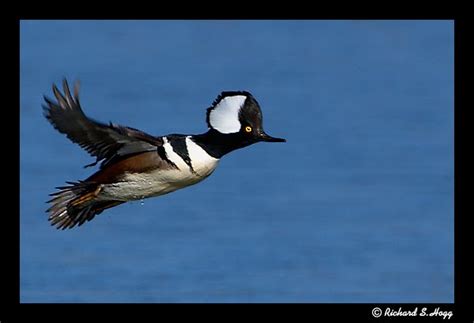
[(203, 164), (136, 186)]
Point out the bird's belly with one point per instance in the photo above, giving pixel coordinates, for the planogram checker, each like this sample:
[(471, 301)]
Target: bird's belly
[(135, 186)]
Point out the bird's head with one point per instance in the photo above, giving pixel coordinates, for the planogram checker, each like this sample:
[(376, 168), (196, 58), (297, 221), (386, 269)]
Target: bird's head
[(236, 115)]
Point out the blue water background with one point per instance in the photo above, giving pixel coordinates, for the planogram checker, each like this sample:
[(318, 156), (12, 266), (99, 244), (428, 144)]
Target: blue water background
[(357, 206)]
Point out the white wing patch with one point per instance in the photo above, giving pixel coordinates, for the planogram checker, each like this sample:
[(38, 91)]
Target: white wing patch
[(224, 117)]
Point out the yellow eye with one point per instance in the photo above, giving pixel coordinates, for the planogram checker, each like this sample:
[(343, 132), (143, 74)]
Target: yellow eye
[(248, 129)]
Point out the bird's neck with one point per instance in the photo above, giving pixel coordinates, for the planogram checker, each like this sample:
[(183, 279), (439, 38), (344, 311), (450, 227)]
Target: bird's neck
[(217, 144)]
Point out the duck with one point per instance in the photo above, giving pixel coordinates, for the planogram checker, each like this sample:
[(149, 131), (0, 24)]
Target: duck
[(134, 165)]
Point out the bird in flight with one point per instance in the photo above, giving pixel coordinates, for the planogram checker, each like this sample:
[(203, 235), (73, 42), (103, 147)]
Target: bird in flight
[(135, 165)]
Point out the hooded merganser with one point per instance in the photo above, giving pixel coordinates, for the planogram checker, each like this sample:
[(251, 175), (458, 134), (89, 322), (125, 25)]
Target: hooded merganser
[(135, 165)]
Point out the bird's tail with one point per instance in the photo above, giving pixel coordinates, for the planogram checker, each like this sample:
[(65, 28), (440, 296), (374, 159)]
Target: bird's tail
[(76, 203)]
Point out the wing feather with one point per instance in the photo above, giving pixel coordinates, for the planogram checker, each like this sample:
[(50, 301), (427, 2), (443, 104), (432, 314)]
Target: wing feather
[(105, 142)]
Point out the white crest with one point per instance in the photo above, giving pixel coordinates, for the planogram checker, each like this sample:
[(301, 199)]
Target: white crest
[(224, 116)]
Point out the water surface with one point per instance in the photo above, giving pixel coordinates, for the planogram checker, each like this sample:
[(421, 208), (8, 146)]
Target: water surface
[(357, 206)]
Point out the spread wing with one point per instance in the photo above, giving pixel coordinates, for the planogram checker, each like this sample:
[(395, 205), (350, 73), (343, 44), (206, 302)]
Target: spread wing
[(105, 142)]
